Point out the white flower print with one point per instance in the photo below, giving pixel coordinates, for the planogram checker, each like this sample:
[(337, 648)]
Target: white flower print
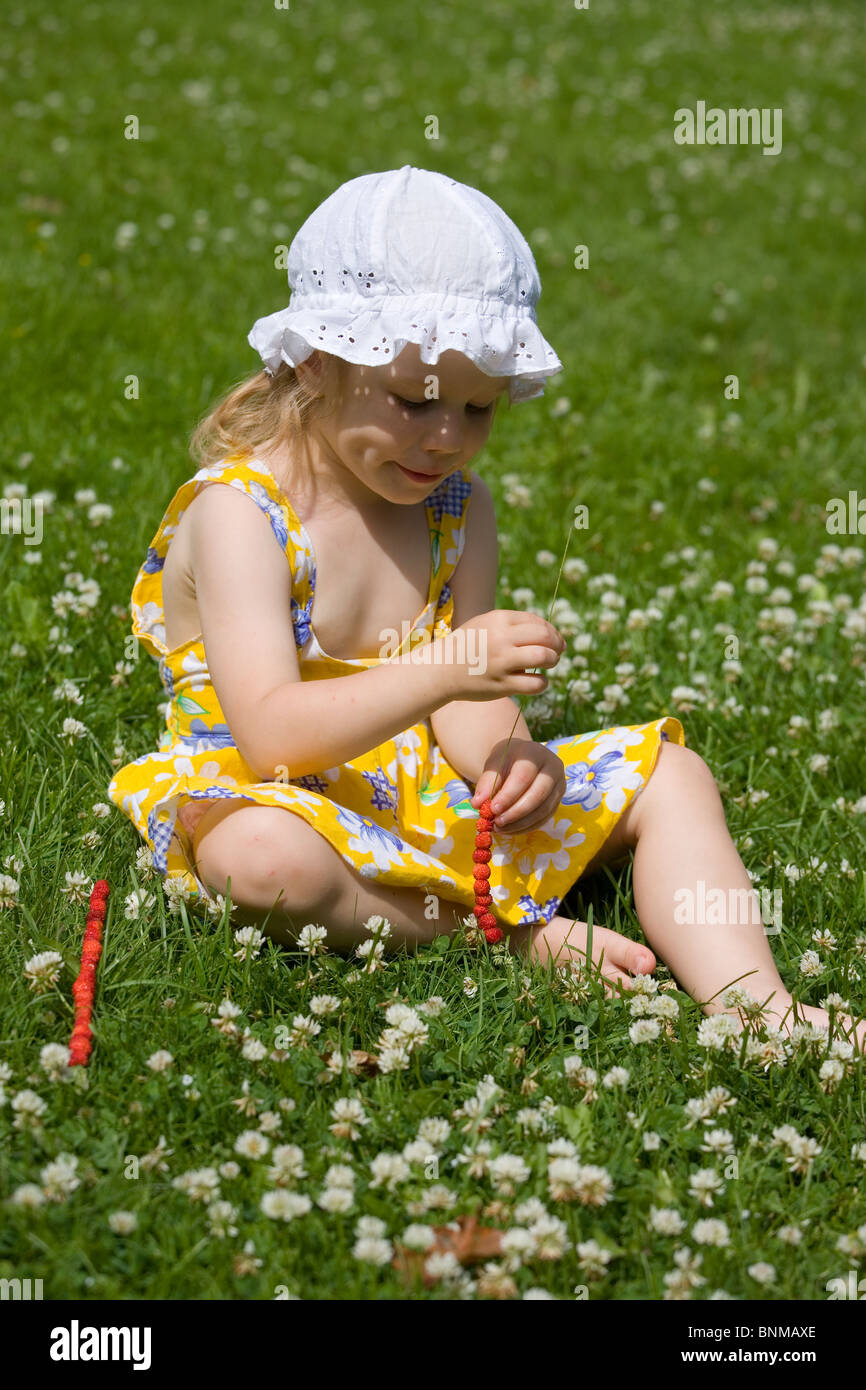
[(294, 796), (131, 804), (407, 745), (539, 863), (197, 670), (384, 854), (302, 560), (148, 618), (502, 851), (614, 741), (443, 844), (184, 768)]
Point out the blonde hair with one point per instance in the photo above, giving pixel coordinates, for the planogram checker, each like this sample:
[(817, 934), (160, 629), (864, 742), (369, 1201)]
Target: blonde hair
[(265, 410)]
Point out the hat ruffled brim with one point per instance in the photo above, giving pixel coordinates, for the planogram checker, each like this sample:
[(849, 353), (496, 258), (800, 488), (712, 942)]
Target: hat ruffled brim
[(500, 344)]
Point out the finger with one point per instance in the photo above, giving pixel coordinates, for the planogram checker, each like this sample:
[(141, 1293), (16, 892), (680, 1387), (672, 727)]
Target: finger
[(511, 791), (540, 793), (528, 654), (535, 628), (484, 786), (519, 683), (529, 822), (541, 816)]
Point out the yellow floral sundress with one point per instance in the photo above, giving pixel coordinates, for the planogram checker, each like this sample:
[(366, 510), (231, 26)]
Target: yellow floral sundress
[(399, 814)]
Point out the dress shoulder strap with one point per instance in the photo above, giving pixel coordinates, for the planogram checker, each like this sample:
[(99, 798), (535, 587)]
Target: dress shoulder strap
[(238, 470), (447, 510)]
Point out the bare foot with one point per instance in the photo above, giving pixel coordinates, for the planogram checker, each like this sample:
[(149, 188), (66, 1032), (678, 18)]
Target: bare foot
[(783, 1012), (562, 941)]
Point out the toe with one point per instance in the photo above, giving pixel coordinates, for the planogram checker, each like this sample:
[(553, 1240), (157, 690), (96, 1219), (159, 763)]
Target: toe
[(628, 956)]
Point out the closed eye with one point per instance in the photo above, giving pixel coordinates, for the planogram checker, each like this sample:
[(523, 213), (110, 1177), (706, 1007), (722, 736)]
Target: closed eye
[(419, 405)]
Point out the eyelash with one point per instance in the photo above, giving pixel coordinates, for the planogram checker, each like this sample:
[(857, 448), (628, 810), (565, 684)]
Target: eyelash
[(419, 405)]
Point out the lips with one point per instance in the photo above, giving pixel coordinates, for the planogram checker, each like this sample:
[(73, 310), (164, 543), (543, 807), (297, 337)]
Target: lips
[(419, 477)]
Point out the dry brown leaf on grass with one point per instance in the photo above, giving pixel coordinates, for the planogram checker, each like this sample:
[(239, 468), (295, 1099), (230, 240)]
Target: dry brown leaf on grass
[(470, 1243)]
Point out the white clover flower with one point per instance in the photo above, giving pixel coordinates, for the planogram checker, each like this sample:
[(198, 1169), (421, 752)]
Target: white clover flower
[(250, 941), (370, 1226), (762, 1272), (43, 970), (160, 1061), (58, 1177), (666, 1221), (418, 1237), (716, 1031), (199, 1184), (312, 938), (287, 1165), (810, 963), (252, 1144), (705, 1184), (27, 1195), (507, 1172), (29, 1109), (337, 1199), (282, 1205), (220, 1216), (322, 1004), (372, 1250), (644, 1030), (617, 1076), (54, 1060), (789, 1235), (389, 1169), (122, 1223), (711, 1232)]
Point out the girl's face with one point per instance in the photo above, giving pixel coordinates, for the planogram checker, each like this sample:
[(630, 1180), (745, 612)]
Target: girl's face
[(394, 441)]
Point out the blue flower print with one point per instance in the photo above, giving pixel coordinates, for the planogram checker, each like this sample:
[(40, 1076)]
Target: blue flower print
[(554, 743), (372, 839), (587, 783), (457, 791), (384, 796), (311, 782), (274, 512), (534, 912), (449, 497), (218, 736), (167, 678), (301, 621), (153, 561), (444, 596)]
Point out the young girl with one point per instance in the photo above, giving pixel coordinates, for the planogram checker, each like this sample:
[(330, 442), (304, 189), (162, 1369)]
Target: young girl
[(327, 744)]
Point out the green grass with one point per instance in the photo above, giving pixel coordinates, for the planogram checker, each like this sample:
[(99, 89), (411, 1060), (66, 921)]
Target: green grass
[(705, 262)]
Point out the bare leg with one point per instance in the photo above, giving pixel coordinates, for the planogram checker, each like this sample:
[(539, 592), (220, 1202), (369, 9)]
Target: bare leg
[(284, 874), (678, 831)]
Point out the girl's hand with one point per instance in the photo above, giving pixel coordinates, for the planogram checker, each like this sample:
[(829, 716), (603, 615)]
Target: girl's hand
[(493, 655), (529, 788)]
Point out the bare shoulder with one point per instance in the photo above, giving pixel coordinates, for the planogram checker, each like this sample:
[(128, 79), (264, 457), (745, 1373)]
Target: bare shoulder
[(481, 514), (473, 583)]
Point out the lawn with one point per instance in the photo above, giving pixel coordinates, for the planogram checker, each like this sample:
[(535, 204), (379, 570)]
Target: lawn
[(245, 1128)]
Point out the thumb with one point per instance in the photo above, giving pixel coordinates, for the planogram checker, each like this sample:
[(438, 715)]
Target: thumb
[(484, 787)]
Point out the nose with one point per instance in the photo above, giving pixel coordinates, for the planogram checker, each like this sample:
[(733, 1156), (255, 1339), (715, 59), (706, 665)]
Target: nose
[(445, 434)]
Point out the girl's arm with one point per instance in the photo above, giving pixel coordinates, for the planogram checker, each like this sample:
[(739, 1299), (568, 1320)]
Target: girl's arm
[(278, 721), (466, 730)]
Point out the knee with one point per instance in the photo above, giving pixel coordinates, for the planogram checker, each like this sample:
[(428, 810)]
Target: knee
[(269, 858), (680, 781), (681, 767)]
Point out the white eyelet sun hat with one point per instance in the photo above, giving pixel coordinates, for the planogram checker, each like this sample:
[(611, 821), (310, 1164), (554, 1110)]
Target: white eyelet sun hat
[(411, 256)]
